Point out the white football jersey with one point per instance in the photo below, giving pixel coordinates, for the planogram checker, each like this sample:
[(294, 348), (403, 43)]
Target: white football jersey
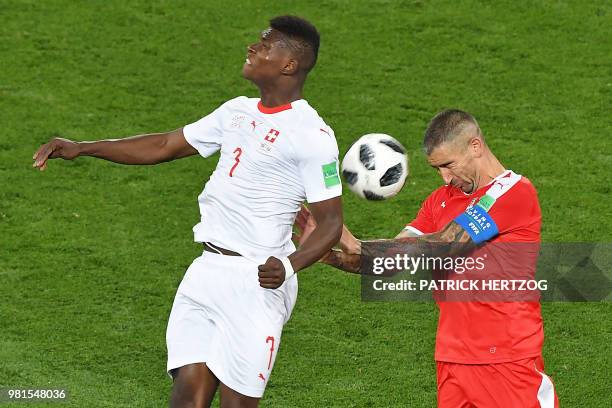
[(272, 160)]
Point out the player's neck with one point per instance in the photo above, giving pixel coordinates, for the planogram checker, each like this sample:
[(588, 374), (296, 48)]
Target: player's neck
[(276, 96), (491, 168)]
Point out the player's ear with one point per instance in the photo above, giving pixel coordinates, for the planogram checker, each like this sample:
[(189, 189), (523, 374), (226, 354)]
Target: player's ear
[(476, 146), (291, 67)]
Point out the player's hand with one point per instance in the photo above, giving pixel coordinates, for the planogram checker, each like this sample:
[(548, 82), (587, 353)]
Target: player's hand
[(56, 148), (271, 274), (304, 224)]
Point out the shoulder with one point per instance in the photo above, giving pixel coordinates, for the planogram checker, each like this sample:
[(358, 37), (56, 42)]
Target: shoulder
[(229, 106), (440, 194), (309, 121), (526, 186), (519, 188), (312, 133), (520, 198), (237, 102)]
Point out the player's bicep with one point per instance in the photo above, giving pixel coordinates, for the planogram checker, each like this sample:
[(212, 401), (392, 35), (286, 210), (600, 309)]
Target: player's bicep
[(328, 211), (477, 223), (319, 168), (453, 233), (177, 147)]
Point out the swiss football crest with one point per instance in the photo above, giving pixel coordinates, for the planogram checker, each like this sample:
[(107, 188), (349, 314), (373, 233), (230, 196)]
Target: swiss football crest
[(269, 138), (272, 135)]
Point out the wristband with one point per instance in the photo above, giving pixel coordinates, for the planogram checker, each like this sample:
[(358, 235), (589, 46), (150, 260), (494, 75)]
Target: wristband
[(288, 268)]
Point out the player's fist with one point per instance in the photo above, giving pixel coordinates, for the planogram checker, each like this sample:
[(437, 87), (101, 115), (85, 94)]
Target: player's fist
[(56, 148), (271, 274)]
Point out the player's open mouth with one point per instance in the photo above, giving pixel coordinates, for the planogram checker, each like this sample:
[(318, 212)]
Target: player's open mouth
[(247, 61)]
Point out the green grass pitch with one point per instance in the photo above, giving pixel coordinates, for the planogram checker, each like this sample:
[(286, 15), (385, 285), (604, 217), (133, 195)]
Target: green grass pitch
[(92, 252)]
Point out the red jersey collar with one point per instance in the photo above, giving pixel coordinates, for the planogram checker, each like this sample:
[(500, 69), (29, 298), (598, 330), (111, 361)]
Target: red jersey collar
[(275, 109)]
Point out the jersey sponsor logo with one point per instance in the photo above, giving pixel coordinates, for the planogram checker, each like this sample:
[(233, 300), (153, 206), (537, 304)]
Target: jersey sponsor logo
[(330, 174), (477, 222)]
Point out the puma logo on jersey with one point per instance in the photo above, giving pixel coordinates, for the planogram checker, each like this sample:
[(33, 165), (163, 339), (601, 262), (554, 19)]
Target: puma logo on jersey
[(262, 377), (255, 124)]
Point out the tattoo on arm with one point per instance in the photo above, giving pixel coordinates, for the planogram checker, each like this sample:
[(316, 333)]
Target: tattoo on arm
[(453, 240), (343, 261)]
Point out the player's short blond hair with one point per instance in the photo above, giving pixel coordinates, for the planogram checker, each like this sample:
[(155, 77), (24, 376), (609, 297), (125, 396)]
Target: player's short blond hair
[(446, 126)]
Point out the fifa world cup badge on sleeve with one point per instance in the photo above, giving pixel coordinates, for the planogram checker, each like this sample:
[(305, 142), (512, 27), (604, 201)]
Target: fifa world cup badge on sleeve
[(477, 222), (486, 202), (330, 174)]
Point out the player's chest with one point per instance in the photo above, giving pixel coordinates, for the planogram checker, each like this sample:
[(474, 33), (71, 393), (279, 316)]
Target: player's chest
[(447, 207), (253, 140)]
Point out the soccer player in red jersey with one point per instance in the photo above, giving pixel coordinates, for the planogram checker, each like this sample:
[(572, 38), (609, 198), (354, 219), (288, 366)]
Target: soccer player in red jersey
[(488, 354)]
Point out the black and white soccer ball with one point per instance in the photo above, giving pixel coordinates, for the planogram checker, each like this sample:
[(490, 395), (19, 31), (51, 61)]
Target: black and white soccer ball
[(375, 167)]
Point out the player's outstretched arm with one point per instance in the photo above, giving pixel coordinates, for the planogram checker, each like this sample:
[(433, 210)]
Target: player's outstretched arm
[(143, 149), (326, 231), (452, 240)]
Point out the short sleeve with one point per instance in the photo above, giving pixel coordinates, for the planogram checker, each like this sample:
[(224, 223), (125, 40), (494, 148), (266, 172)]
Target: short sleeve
[(319, 168), (206, 134), (517, 213), (509, 211), (424, 221)]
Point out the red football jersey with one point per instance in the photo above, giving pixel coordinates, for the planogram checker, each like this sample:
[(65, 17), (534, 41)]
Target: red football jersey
[(473, 332)]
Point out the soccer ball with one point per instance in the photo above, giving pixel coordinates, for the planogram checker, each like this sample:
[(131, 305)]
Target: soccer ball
[(375, 167)]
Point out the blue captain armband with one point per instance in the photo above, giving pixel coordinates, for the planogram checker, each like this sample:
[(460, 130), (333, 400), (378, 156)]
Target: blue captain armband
[(477, 222)]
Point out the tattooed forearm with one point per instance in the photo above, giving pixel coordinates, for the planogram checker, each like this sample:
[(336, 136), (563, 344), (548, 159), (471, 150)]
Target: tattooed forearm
[(451, 241), (453, 233), (343, 261)]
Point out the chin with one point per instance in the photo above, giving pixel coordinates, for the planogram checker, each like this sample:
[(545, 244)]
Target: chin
[(245, 72)]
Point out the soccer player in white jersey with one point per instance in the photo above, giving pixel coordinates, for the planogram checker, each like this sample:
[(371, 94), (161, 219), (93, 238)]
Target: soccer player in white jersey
[(275, 153)]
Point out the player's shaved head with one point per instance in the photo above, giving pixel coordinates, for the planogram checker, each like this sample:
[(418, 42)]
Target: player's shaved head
[(449, 126), (300, 37)]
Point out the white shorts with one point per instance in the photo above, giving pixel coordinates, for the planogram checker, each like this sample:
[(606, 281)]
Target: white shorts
[(222, 317)]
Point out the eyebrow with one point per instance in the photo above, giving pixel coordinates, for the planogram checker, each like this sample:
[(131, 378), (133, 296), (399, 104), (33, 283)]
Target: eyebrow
[(441, 165)]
